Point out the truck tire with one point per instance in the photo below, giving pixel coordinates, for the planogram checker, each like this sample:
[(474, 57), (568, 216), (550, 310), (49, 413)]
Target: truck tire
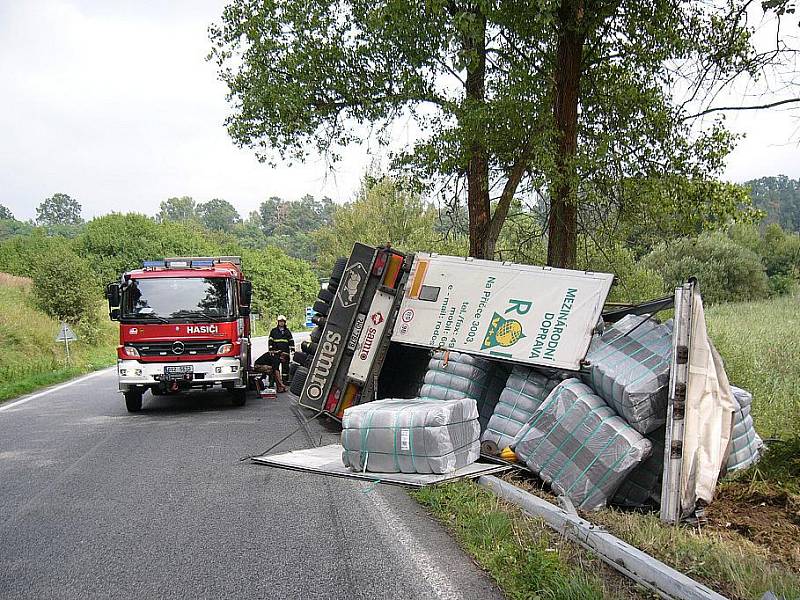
[(133, 400), (302, 359), (325, 296), (304, 346), (315, 334), (338, 268), (311, 349), (333, 285), (292, 370), (298, 381), (319, 320), (238, 396), (320, 307)]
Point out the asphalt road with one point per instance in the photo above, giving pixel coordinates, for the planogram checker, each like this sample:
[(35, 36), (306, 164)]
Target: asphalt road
[(99, 503)]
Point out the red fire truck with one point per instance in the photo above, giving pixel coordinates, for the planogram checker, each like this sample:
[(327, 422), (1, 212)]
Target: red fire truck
[(183, 324)]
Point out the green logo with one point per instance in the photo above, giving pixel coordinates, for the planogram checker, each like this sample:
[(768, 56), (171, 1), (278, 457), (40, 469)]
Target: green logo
[(502, 332)]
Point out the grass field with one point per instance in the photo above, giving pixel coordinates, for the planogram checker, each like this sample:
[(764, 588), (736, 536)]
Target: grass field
[(750, 544), (760, 344), (30, 357)]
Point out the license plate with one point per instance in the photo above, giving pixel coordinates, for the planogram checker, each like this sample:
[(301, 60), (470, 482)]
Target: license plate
[(178, 370)]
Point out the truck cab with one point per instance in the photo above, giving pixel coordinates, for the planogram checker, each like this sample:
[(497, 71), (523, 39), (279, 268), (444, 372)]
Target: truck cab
[(184, 323)]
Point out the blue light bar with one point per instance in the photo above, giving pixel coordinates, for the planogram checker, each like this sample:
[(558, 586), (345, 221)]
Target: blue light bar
[(152, 264), (202, 263)]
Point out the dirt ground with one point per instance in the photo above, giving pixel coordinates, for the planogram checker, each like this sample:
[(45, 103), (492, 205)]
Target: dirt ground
[(766, 517)]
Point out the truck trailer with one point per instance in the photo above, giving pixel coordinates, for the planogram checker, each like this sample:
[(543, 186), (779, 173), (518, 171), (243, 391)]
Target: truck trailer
[(184, 323)]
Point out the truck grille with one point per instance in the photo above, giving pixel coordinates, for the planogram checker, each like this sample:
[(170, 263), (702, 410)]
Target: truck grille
[(179, 347)]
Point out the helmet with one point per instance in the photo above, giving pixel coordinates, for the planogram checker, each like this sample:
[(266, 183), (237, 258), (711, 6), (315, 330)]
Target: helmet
[(281, 318)]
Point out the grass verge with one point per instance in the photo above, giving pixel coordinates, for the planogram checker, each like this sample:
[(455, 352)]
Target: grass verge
[(525, 558), (759, 343), (30, 358)]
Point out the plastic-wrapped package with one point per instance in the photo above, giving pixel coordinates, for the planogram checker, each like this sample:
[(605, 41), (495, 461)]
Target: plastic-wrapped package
[(642, 487), (411, 436), (577, 444), (629, 368), (454, 375), (746, 445), (524, 391)]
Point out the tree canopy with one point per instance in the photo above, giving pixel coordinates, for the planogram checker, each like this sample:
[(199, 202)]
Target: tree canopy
[(558, 102), (177, 209), (5, 214), (218, 215), (59, 209)]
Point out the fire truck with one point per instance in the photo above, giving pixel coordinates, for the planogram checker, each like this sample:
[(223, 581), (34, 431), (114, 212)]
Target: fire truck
[(183, 324)]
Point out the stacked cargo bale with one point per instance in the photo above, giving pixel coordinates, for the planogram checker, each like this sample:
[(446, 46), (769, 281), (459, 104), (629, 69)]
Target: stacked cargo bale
[(746, 445), (411, 436), (642, 487), (577, 444), (524, 391), (455, 375), (629, 367)]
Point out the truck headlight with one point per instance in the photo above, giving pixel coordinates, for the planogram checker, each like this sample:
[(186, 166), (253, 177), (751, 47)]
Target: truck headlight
[(224, 349), (130, 351)]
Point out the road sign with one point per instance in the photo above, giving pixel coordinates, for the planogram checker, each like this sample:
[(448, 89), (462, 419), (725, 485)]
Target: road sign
[(66, 334), (309, 314)]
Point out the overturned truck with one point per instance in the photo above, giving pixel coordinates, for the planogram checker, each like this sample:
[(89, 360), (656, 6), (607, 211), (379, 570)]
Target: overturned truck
[(605, 407)]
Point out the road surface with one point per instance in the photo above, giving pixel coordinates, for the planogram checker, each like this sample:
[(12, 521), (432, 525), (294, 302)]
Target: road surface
[(99, 503)]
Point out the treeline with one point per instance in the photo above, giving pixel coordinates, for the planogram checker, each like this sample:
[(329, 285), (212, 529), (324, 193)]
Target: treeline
[(70, 261), (779, 198)]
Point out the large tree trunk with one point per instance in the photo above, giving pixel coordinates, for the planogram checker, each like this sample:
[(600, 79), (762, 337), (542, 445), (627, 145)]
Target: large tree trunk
[(563, 224), (478, 203)]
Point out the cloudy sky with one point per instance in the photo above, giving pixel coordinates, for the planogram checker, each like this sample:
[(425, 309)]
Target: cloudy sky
[(112, 102)]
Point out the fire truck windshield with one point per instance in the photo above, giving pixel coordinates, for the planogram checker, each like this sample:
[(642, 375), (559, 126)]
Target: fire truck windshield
[(171, 299)]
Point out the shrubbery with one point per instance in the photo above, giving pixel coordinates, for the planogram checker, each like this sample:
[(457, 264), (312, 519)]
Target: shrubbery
[(64, 286), (725, 270)]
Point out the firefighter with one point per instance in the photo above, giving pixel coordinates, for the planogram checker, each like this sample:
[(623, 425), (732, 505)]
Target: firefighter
[(281, 343)]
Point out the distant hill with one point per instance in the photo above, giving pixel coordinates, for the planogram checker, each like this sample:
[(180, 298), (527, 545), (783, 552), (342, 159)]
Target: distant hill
[(779, 197)]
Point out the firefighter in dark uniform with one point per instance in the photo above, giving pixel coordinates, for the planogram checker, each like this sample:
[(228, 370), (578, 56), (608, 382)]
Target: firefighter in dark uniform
[(281, 343)]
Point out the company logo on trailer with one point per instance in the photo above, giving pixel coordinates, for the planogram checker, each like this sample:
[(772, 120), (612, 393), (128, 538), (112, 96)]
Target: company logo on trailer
[(377, 319), (323, 365), (351, 282), (368, 340)]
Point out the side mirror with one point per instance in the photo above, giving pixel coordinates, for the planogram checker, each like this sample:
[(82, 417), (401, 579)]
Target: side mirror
[(114, 314), (113, 294), (245, 293), (244, 311)]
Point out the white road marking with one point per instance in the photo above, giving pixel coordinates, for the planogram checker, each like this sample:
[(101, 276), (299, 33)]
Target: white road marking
[(438, 581), (54, 389)]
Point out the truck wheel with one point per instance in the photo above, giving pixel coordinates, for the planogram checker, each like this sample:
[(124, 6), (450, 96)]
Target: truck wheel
[(333, 285), (309, 348), (238, 396), (292, 370), (315, 334), (298, 381), (338, 268), (325, 296), (321, 307), (319, 320), (133, 400)]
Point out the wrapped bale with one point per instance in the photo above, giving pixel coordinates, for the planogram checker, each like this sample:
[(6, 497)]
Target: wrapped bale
[(746, 445), (411, 436), (642, 487), (629, 368), (524, 391), (455, 375), (577, 444)]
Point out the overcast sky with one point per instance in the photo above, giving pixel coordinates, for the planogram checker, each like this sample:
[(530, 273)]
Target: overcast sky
[(112, 102)]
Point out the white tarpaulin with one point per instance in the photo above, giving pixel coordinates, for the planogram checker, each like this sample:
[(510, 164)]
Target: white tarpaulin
[(523, 313), (709, 415)]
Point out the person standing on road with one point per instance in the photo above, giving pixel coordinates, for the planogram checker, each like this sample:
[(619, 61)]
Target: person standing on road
[(281, 342)]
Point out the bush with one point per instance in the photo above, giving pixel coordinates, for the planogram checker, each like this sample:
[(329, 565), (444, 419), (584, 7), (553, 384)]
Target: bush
[(725, 270), (634, 282), (64, 287)]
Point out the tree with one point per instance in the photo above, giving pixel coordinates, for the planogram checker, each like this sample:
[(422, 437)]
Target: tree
[(779, 197), (64, 286), (177, 209), (5, 214), (59, 209), (217, 215), (568, 96), (385, 211)]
